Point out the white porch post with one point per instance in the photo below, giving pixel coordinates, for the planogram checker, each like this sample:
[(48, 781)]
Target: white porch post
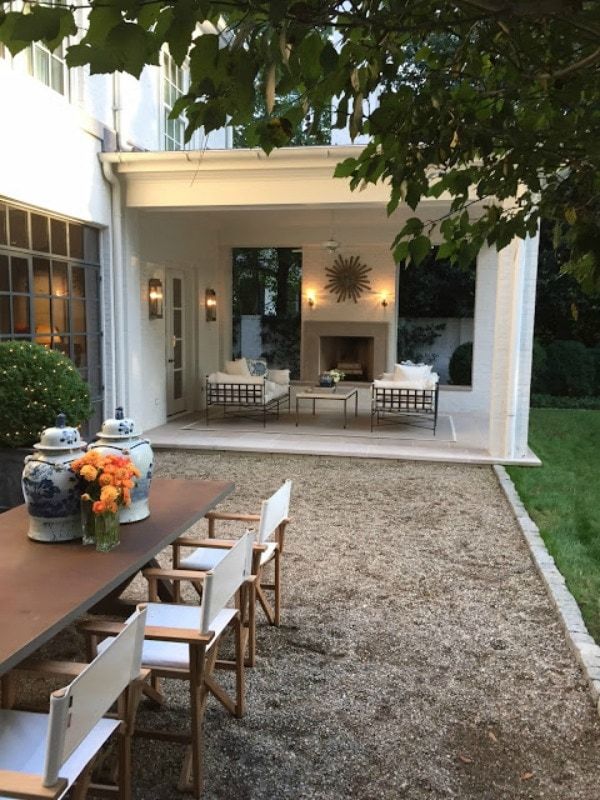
[(516, 275)]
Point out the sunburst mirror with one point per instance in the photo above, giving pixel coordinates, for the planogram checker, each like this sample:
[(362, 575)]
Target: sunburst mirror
[(348, 278)]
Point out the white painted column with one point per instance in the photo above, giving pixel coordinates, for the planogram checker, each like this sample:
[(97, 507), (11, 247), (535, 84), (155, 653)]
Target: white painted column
[(516, 273)]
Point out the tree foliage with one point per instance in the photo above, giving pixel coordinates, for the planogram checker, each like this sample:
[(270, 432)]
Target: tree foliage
[(493, 104)]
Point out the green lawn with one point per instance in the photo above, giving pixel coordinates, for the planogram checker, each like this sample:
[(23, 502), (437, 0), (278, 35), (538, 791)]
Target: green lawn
[(563, 497)]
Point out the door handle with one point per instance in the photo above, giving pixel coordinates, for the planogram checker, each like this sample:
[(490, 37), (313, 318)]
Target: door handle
[(171, 361)]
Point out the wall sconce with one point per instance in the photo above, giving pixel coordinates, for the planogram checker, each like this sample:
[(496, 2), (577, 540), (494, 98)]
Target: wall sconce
[(155, 298), (210, 301), (311, 298), (384, 299)]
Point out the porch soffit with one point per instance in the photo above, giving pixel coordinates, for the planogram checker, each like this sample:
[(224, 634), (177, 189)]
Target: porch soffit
[(219, 179)]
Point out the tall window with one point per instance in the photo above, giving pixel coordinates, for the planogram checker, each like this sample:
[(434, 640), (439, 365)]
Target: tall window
[(174, 85), (49, 289), (49, 67), (266, 305)]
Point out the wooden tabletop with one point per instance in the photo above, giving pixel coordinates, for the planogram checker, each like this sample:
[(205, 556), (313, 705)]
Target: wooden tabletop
[(45, 586)]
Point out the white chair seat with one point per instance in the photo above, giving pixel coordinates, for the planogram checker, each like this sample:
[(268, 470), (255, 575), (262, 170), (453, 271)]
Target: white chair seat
[(23, 744), (206, 558), (173, 655)]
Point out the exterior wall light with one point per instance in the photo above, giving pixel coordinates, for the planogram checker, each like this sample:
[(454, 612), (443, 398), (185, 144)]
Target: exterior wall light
[(155, 298), (311, 298), (384, 299), (210, 301)]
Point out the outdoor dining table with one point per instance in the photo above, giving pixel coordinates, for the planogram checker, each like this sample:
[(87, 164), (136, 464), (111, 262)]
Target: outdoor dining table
[(44, 587)]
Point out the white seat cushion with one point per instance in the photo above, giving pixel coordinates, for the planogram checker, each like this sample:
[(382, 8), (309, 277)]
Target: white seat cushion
[(175, 655), (206, 558), (23, 744)]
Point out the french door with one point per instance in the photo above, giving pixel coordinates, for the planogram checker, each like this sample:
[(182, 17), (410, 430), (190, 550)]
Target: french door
[(175, 342)]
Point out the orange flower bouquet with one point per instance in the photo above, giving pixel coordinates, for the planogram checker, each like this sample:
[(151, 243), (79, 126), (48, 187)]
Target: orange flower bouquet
[(107, 481)]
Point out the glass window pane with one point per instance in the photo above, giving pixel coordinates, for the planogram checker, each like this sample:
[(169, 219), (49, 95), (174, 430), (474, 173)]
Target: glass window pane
[(177, 385), (60, 315), (80, 351), (40, 235), (41, 276), (78, 281), (60, 281), (59, 237), (177, 324), (41, 68), (4, 280), (17, 225), (93, 351), (43, 330), (177, 293), (91, 245), (3, 226), (20, 274), (78, 311), (20, 307), (177, 355), (61, 344), (5, 314), (58, 75), (75, 240)]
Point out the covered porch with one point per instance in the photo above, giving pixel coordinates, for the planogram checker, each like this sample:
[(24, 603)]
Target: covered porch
[(180, 216)]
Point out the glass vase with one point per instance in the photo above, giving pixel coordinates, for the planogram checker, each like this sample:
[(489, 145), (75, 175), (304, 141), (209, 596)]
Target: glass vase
[(102, 530)]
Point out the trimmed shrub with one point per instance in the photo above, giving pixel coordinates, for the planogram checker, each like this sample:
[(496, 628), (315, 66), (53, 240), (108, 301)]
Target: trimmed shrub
[(539, 369), (571, 369), (35, 385), (461, 365), (595, 351), (549, 401)]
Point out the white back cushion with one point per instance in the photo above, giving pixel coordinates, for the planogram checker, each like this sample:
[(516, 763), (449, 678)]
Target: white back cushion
[(76, 709), (237, 367), (223, 581), (411, 372), (273, 511), (281, 376)]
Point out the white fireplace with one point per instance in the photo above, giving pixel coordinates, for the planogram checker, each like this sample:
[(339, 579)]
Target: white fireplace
[(330, 345)]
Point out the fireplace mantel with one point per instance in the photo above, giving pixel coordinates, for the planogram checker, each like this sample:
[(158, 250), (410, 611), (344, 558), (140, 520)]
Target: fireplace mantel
[(312, 331)]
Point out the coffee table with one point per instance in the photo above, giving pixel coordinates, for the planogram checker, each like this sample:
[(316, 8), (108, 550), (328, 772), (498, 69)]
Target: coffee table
[(319, 393)]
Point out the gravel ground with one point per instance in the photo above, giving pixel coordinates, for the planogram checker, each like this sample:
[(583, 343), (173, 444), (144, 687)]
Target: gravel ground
[(419, 656)]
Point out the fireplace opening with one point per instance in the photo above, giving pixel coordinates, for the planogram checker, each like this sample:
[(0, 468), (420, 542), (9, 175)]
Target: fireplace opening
[(353, 355)]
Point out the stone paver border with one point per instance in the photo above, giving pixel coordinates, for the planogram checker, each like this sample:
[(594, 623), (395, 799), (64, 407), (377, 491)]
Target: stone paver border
[(578, 637)]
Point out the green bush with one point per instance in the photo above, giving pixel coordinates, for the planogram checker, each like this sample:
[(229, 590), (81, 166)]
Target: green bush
[(461, 363), (595, 351), (550, 401), (35, 385), (571, 369), (539, 369)]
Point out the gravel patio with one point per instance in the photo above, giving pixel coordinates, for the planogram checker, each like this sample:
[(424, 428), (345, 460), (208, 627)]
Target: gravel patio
[(419, 655)]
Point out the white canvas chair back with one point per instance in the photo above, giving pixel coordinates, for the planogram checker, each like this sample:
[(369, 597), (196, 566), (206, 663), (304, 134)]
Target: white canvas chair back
[(273, 511), (76, 709), (226, 577)]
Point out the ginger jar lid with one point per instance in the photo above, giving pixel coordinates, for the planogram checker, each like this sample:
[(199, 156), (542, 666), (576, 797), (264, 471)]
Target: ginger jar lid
[(61, 437), (119, 427)]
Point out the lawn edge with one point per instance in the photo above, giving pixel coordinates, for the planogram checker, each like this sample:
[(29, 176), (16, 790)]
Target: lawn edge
[(583, 645)]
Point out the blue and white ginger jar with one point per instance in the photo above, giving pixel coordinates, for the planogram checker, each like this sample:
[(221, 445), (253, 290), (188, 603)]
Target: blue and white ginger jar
[(118, 437), (50, 487)]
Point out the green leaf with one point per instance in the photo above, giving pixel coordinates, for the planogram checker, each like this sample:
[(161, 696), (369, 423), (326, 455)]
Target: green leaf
[(419, 248), (203, 56), (345, 168)]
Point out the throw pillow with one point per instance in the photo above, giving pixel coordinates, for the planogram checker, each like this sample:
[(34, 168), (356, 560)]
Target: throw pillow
[(237, 367), (256, 367), (411, 372), (281, 376)]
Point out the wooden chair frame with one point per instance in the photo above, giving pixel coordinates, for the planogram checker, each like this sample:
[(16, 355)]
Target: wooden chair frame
[(202, 663)]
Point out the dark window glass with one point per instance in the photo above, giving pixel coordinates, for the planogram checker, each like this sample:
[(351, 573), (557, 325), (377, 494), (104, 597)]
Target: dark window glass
[(177, 385), (80, 351), (40, 236), (59, 237), (91, 245), (177, 354), (3, 227), (78, 311), (17, 225), (41, 276), (4, 279), (177, 323), (5, 315), (60, 281), (20, 274), (75, 240), (176, 293), (78, 281), (62, 344), (20, 307)]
